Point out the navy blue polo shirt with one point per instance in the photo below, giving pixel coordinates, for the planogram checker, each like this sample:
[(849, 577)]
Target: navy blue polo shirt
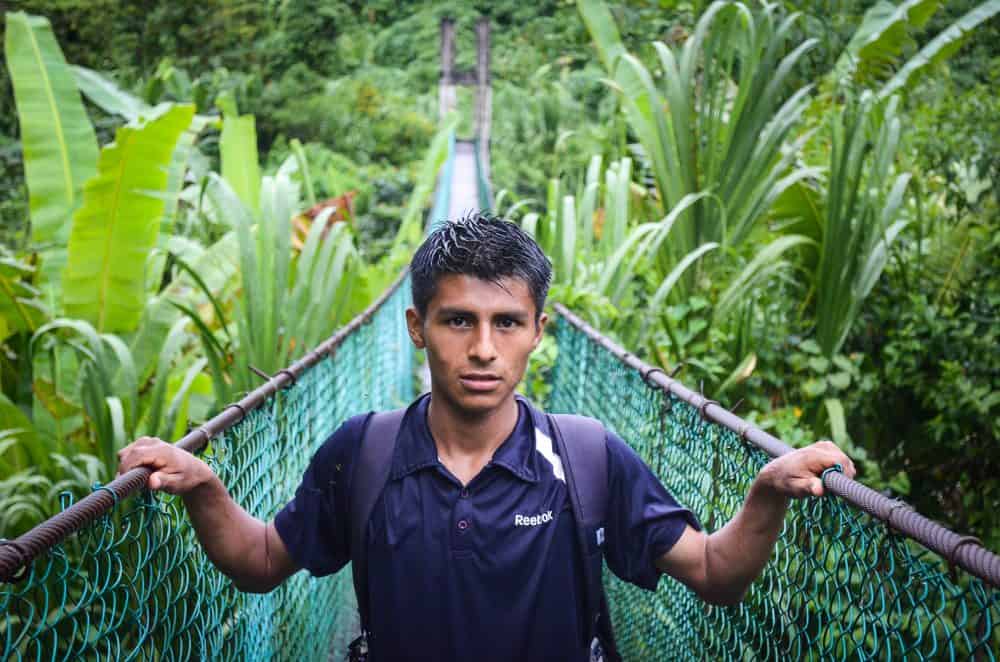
[(489, 571)]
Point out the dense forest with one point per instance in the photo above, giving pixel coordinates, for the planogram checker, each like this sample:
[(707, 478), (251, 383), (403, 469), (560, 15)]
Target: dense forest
[(795, 204)]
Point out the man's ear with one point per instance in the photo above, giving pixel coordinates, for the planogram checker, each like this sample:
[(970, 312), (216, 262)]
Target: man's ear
[(539, 330), (415, 327)]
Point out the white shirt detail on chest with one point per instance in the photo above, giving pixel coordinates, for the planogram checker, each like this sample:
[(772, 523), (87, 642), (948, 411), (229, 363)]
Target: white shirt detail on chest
[(543, 444), (532, 520)]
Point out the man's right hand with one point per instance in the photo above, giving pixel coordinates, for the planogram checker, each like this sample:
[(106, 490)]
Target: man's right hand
[(248, 550), (175, 471)]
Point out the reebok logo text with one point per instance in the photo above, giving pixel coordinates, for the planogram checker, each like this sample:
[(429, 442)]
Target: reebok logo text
[(534, 520)]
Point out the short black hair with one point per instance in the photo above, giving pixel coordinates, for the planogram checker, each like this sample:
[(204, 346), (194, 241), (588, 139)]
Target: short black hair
[(483, 246)]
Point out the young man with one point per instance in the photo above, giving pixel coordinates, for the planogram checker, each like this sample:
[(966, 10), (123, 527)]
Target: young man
[(471, 546)]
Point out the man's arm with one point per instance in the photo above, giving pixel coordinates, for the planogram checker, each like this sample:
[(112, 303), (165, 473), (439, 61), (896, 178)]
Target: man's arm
[(720, 567), (249, 551)]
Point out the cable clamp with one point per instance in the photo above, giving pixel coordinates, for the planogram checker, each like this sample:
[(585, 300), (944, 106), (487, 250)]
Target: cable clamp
[(953, 560), (97, 487), (896, 505), (837, 468), (263, 375), (646, 377), (19, 576), (704, 405), (242, 410)]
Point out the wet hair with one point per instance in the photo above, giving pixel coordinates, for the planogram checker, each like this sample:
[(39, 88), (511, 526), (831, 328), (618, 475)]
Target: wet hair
[(483, 246)]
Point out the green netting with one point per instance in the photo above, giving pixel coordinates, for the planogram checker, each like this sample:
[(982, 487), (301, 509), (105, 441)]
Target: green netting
[(136, 584), (839, 586)]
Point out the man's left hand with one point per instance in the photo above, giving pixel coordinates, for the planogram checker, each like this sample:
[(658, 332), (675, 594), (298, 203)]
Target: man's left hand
[(798, 474)]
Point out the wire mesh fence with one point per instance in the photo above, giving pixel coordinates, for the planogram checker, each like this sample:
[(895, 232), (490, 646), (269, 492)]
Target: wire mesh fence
[(840, 585), (136, 585)]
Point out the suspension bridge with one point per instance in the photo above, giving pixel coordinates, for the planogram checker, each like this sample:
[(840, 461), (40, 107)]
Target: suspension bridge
[(856, 575)]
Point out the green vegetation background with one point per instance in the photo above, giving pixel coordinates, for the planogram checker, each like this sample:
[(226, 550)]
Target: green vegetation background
[(356, 84)]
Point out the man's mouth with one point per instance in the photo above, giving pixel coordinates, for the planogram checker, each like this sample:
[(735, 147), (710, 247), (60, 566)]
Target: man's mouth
[(479, 381)]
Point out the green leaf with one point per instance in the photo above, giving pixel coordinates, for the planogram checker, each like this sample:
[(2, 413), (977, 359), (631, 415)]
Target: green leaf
[(115, 230), (882, 36), (175, 423), (810, 346), (303, 165), (941, 47), (21, 309), (529, 223), (57, 139), (184, 153), (58, 404), (238, 152), (819, 364), (765, 263), (899, 483), (173, 345), (838, 424), (118, 438), (839, 380), (218, 269), (601, 25), (814, 387), (844, 363), (566, 240), (860, 215), (31, 449), (111, 98), (740, 374), (668, 283)]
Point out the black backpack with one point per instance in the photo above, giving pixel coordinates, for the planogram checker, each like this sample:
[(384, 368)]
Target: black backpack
[(585, 463)]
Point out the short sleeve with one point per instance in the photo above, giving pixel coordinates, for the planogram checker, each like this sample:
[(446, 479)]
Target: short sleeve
[(644, 521), (314, 524)]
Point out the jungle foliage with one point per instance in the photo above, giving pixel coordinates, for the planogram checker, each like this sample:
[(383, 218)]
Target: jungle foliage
[(795, 204)]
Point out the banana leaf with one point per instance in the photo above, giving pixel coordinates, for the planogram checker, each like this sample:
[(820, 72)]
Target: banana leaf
[(882, 36), (21, 309), (111, 98), (941, 47), (115, 230), (58, 141)]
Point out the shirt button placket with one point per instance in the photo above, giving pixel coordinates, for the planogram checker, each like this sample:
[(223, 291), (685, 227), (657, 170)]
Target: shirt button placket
[(461, 540)]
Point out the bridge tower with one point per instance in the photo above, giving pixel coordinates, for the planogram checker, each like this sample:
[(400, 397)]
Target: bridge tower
[(475, 152)]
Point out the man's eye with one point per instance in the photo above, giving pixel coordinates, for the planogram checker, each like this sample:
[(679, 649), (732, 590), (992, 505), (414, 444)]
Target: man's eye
[(458, 321), (506, 323)]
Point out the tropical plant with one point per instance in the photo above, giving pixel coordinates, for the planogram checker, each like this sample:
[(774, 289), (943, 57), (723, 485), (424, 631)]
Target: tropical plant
[(719, 124), (21, 308), (853, 215), (117, 227), (58, 140), (108, 385), (289, 302), (872, 57), (31, 494)]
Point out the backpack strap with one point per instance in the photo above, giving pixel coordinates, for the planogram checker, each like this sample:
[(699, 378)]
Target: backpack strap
[(370, 474), (586, 468)]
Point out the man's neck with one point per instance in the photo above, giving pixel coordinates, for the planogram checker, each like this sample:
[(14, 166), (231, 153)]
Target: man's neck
[(466, 443)]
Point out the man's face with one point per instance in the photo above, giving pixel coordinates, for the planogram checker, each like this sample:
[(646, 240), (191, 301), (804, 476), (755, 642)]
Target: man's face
[(478, 336)]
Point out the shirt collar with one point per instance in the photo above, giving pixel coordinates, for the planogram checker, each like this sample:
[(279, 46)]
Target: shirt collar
[(415, 448)]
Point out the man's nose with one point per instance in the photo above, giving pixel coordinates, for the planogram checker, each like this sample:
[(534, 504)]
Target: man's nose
[(483, 349)]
